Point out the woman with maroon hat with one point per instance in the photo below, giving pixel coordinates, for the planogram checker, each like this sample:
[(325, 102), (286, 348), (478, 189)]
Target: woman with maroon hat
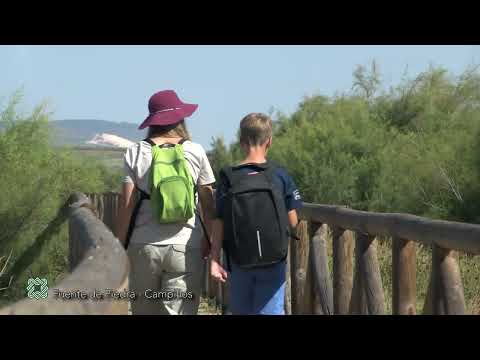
[(166, 259)]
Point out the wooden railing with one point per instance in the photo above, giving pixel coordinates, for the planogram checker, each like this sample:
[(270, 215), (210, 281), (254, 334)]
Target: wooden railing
[(355, 286), (97, 261)]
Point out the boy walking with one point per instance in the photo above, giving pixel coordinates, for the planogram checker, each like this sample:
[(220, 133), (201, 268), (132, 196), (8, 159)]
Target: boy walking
[(256, 213)]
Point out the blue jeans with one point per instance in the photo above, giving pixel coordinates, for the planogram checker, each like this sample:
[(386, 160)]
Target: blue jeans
[(259, 291)]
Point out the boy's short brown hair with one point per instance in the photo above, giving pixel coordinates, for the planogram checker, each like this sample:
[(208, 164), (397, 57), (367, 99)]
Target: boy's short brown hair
[(255, 129)]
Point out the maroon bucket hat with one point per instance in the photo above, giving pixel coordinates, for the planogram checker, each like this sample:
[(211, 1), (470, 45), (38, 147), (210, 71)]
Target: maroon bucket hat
[(167, 109)]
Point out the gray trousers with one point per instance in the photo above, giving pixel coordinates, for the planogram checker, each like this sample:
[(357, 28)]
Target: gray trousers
[(167, 279)]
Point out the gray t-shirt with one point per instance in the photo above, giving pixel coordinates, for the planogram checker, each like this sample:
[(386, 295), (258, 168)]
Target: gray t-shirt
[(137, 162)]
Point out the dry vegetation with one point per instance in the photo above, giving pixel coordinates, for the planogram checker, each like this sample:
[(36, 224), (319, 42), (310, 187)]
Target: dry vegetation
[(469, 267)]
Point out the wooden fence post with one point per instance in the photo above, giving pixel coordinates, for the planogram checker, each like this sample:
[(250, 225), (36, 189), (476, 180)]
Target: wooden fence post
[(404, 286), (314, 306), (219, 287), (358, 303), (101, 207), (206, 264), (428, 304), (212, 284), (370, 272), (301, 284), (224, 288), (288, 282), (447, 288), (107, 210), (342, 270), (319, 257)]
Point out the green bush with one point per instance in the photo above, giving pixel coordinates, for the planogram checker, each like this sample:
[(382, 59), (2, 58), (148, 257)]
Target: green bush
[(37, 179), (411, 149)]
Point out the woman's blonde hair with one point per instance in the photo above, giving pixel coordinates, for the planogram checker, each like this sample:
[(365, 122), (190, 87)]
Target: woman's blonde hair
[(170, 131)]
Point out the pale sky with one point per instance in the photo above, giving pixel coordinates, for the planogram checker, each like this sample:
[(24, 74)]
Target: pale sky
[(115, 82)]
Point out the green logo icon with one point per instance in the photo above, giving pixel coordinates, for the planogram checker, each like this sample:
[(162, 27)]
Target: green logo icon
[(37, 288)]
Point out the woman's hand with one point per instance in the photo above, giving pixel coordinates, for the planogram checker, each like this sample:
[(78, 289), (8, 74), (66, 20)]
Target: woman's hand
[(217, 271)]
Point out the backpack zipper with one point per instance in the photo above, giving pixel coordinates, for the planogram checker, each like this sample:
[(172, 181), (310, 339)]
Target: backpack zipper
[(259, 243)]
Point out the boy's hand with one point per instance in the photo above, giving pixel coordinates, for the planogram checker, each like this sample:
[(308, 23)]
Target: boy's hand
[(217, 271)]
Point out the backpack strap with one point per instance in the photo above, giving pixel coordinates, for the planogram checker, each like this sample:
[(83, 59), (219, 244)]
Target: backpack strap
[(133, 218), (148, 140), (269, 171), (227, 173), (170, 145)]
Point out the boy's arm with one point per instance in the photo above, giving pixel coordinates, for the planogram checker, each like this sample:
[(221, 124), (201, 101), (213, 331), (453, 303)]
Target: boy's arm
[(293, 222), (217, 239), (293, 201), (207, 204), (207, 201), (216, 270), (293, 219)]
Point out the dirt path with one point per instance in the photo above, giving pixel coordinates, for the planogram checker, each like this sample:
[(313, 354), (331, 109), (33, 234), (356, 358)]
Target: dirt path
[(204, 309), (207, 309)]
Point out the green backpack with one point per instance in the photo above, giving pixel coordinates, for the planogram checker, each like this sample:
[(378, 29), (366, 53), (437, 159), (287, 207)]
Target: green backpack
[(172, 193)]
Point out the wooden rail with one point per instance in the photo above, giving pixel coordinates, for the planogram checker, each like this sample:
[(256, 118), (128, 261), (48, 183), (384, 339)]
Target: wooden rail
[(97, 261), (357, 283), (353, 285)]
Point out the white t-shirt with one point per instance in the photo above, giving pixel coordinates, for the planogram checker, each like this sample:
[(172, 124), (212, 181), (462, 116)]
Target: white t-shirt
[(137, 162)]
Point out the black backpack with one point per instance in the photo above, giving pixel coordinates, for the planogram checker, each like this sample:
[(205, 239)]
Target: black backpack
[(256, 230)]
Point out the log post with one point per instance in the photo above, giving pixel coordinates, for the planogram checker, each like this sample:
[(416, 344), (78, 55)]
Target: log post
[(288, 283), (225, 288), (319, 257), (206, 278), (93, 202), (358, 303), (342, 270), (107, 210), (447, 288), (428, 304), (370, 272), (115, 210), (317, 305), (219, 289), (212, 284), (111, 204), (404, 286), (301, 286), (101, 208)]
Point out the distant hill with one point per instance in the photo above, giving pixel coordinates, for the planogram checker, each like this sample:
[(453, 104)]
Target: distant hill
[(82, 132), (78, 132)]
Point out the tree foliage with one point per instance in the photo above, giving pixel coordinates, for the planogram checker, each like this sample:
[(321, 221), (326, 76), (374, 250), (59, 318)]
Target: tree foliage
[(37, 179), (412, 148)]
